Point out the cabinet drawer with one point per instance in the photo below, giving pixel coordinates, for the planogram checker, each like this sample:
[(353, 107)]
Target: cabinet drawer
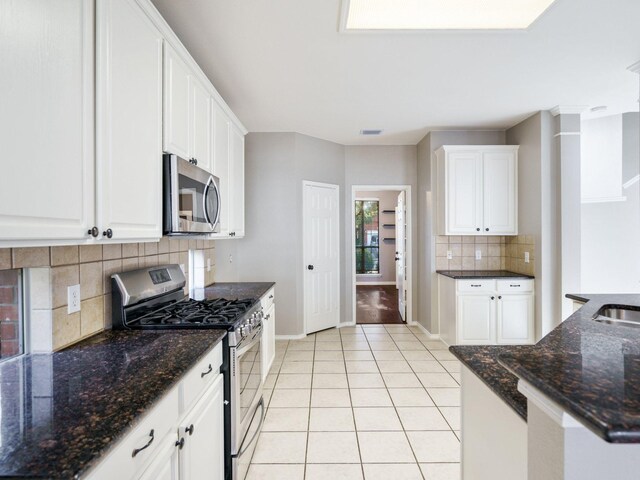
[(197, 379), (517, 285), (268, 299), (476, 286), (121, 462)]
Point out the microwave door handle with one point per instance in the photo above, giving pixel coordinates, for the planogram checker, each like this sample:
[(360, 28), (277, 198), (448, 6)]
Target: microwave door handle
[(211, 184), (204, 201)]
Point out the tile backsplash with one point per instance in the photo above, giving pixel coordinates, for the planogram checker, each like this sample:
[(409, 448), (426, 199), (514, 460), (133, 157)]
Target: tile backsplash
[(497, 253), (52, 269)]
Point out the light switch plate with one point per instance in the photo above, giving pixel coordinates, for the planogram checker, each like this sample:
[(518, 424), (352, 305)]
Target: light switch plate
[(73, 298), (526, 257), (478, 255), (449, 255)]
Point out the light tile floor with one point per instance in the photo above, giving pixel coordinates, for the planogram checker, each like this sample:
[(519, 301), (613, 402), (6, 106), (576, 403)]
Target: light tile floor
[(369, 402)]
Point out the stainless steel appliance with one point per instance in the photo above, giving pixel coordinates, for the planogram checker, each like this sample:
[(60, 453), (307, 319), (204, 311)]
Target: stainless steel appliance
[(191, 203), (153, 298)]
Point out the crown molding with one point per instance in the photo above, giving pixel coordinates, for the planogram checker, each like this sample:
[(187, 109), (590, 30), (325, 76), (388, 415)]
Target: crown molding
[(635, 68), (568, 110)]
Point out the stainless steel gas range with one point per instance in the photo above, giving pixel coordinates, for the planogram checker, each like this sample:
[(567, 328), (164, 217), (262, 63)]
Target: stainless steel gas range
[(153, 299)]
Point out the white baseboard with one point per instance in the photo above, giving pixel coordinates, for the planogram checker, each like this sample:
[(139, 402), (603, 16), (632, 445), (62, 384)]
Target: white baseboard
[(433, 336), (374, 283), (291, 337)]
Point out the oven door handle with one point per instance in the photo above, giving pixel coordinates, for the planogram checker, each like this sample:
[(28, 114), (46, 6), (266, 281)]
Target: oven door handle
[(246, 444)]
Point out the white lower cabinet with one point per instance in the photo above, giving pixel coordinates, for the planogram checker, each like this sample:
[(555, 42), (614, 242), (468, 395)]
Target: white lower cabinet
[(269, 331), (476, 319), (486, 311), (164, 465), (176, 440), (515, 319), (201, 442)]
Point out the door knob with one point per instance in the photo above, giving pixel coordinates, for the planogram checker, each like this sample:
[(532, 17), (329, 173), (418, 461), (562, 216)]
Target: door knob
[(397, 259), (309, 267)]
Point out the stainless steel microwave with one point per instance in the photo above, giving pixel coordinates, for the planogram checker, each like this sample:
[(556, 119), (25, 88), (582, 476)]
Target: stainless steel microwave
[(191, 203)]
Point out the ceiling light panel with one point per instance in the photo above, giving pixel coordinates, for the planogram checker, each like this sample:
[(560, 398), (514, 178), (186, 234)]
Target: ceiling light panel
[(442, 14)]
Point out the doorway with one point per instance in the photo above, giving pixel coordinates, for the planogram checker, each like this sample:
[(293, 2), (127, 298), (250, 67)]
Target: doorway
[(380, 245)]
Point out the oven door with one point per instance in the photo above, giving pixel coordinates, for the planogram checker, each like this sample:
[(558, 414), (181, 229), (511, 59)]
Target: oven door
[(246, 386), (192, 198), (242, 460)]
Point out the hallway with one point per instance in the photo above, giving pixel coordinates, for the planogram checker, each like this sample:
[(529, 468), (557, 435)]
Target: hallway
[(377, 304)]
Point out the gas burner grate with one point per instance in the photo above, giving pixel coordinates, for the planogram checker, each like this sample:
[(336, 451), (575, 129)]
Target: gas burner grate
[(198, 312)]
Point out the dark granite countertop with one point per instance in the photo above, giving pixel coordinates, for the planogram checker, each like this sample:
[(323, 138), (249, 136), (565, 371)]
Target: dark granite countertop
[(471, 274), (482, 360), (233, 291), (61, 412), (589, 368)]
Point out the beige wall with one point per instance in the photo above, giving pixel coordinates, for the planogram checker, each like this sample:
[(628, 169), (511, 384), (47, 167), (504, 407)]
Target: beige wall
[(275, 166), (50, 270), (539, 213)]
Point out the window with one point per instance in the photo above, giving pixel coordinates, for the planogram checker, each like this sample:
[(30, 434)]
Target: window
[(367, 237), (11, 325)]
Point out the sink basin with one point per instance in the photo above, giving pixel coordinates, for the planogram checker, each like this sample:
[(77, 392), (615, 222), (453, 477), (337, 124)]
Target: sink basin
[(618, 315)]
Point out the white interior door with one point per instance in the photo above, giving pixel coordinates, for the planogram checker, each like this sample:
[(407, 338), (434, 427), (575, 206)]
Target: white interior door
[(401, 246), (321, 256)]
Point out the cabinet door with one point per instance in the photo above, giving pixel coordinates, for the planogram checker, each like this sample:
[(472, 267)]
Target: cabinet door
[(164, 465), (176, 112), (464, 193), (202, 456), (129, 122), (500, 178), (476, 319), (515, 319), (221, 150), (269, 340), (201, 130), (47, 120), (236, 183)]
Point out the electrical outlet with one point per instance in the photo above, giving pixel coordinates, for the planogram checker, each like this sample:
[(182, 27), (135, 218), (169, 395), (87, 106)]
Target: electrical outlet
[(478, 254), (449, 255), (526, 257), (208, 264), (73, 298)]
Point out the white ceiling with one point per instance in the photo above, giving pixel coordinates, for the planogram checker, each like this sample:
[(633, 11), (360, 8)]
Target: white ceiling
[(282, 66)]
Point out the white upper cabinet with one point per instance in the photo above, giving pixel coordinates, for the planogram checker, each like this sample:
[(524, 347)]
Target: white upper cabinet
[(477, 190), (187, 112), (93, 94), (500, 184), (221, 150), (46, 120), (236, 183), (201, 126), (129, 122), (176, 104)]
